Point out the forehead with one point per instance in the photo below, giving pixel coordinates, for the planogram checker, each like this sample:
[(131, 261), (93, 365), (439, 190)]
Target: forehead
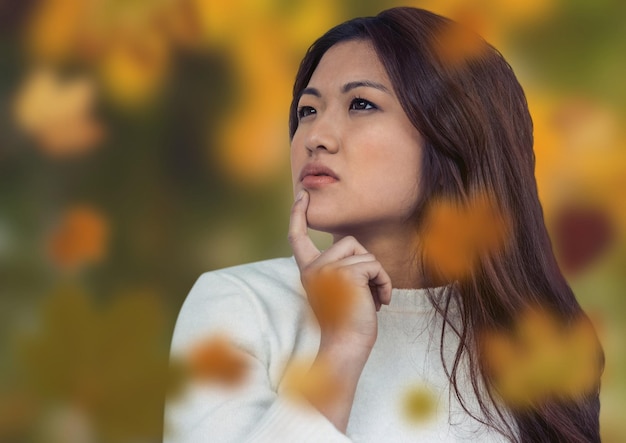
[(349, 61)]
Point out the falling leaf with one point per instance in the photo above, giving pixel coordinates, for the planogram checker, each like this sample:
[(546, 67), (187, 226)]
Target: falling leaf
[(456, 44), (455, 235), (313, 382), (332, 297), (541, 357), (217, 360)]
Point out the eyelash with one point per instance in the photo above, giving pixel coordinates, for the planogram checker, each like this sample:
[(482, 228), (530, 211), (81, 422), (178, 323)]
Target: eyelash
[(305, 111), (362, 101)]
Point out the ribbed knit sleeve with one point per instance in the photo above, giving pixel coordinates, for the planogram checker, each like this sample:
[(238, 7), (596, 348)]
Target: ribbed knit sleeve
[(261, 316), (288, 422)]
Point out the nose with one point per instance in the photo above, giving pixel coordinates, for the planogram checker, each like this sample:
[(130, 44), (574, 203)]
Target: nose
[(323, 134)]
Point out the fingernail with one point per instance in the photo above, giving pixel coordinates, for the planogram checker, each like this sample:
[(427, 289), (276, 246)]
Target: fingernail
[(300, 195)]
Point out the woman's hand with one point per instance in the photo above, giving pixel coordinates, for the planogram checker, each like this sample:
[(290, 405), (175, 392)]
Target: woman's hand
[(345, 286)]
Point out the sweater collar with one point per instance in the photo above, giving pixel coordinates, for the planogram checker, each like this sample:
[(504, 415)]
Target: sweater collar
[(413, 300)]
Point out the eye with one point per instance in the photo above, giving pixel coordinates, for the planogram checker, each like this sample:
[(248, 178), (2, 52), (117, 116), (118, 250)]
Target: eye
[(305, 111), (360, 104)]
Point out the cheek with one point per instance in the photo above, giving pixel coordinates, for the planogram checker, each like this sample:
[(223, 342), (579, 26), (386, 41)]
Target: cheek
[(390, 159), (406, 176), (392, 169), (297, 161)]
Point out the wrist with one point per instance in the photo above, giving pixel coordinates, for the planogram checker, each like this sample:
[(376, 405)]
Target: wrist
[(345, 348), (336, 370)]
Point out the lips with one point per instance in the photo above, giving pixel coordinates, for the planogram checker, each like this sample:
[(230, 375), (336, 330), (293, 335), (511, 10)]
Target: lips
[(314, 176), (317, 170)]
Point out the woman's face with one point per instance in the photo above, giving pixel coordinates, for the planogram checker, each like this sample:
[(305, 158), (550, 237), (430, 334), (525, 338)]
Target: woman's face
[(355, 150)]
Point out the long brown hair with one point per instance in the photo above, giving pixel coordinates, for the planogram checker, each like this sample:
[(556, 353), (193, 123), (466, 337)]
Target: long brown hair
[(473, 116)]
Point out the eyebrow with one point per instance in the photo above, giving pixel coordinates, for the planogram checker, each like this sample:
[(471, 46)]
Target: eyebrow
[(364, 83), (348, 87)]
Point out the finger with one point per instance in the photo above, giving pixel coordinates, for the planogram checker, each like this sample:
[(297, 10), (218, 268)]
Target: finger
[(346, 247), (376, 278), (351, 260), (377, 303), (374, 291), (304, 250), (379, 278)]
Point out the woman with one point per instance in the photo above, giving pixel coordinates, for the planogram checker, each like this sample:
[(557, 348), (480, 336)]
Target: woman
[(394, 132)]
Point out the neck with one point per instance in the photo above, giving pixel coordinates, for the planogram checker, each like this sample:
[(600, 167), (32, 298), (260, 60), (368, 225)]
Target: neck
[(395, 250)]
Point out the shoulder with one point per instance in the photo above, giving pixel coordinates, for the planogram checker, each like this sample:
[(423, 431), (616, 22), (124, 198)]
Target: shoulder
[(265, 281), (279, 273), (244, 302)]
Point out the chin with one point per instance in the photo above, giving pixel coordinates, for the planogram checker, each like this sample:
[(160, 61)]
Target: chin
[(323, 218), (320, 222), (330, 223), (335, 217)]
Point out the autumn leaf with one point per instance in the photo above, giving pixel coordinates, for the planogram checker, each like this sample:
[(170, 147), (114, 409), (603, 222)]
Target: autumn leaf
[(57, 113), (217, 360), (455, 236), (332, 298), (81, 238), (313, 382), (541, 357)]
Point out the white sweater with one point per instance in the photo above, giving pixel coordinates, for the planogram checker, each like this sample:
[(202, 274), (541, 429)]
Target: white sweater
[(263, 309)]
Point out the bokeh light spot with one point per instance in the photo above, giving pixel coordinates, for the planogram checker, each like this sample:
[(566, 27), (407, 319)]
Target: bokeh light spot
[(135, 66), (58, 113), (81, 238), (54, 27), (581, 236), (419, 404)]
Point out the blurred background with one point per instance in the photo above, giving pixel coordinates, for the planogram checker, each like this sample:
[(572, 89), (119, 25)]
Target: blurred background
[(143, 142)]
